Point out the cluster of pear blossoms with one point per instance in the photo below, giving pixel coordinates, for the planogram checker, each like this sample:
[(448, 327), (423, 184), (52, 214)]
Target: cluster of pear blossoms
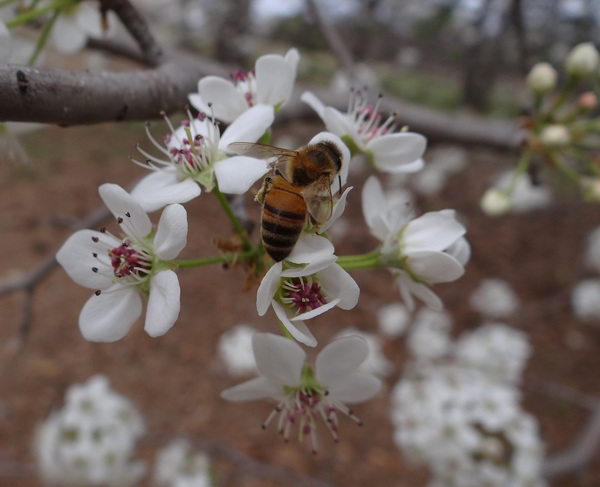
[(561, 134), (92, 438), (194, 158)]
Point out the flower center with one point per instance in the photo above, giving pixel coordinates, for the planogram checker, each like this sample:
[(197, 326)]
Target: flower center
[(125, 260), (304, 404), (245, 84), (367, 118), (303, 295)]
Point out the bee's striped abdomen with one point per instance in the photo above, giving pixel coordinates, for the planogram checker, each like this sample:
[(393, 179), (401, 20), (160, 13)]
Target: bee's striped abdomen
[(283, 217)]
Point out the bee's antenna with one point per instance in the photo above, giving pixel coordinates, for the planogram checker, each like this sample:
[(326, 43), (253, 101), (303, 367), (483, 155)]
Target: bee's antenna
[(340, 181)]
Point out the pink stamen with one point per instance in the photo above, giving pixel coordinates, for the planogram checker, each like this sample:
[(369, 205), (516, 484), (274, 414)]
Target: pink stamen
[(305, 296), (125, 260)]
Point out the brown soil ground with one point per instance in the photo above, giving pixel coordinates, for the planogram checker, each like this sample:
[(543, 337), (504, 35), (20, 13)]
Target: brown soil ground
[(175, 380)]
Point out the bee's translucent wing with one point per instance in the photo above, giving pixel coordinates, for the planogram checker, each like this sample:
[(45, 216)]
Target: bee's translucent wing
[(261, 151), (318, 200)]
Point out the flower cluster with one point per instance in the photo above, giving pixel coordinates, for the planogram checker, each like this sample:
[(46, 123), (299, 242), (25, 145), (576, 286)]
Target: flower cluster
[(301, 202), (90, 440), (561, 132), (178, 465), (460, 413)]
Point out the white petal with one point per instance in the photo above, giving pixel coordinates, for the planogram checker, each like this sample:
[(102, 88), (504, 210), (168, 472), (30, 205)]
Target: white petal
[(292, 57), (161, 188), (460, 250), (407, 168), (311, 99), (340, 124), (163, 303), (298, 329), (249, 126), (227, 102), (109, 316), (359, 387), (432, 231), (267, 288), (89, 19), (435, 266), (278, 359), (67, 36), (318, 264), (136, 222), (309, 248), (198, 103), (331, 137), (340, 358), (274, 79), (391, 151), (337, 283), (374, 208), (408, 286), (307, 315), (258, 388), (171, 233), (338, 210), (77, 258), (237, 174)]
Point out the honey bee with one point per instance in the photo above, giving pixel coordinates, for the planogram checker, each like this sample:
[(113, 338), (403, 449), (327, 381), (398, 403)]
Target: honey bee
[(287, 200)]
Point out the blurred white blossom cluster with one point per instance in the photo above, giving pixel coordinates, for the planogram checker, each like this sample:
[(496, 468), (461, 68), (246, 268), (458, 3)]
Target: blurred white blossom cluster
[(459, 413), (90, 440), (179, 465)]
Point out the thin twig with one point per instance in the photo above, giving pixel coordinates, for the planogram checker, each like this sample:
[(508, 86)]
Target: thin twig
[(334, 41), (137, 26)]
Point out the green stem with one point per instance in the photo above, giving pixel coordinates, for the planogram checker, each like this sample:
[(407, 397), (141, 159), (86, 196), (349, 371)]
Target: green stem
[(362, 261), (573, 175), (562, 97), (521, 169), (32, 14), (182, 264), (231, 215), (43, 37)]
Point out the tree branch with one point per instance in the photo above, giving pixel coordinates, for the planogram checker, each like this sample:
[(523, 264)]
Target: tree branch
[(66, 98)]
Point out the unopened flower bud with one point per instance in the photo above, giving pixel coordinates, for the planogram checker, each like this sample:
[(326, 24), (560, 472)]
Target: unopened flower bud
[(583, 60), (542, 78), (555, 136), (495, 202), (587, 100)]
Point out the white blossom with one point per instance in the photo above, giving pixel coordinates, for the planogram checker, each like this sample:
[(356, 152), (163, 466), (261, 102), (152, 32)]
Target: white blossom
[(583, 60), (305, 285), (393, 319), (542, 78), (584, 298), (235, 350), (525, 196), (91, 439), (469, 430), (178, 465), (304, 394), (120, 269), (496, 349), (429, 338), (364, 131), (494, 298), (270, 83), (419, 252), (195, 154), (77, 23)]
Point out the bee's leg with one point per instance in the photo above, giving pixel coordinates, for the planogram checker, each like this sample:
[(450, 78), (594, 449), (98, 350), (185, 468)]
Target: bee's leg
[(264, 189)]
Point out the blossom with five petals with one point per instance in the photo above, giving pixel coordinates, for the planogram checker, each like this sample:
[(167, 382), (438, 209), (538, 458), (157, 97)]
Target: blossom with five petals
[(305, 285), (302, 394), (196, 155), (419, 252), (364, 131), (121, 269), (269, 83)]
